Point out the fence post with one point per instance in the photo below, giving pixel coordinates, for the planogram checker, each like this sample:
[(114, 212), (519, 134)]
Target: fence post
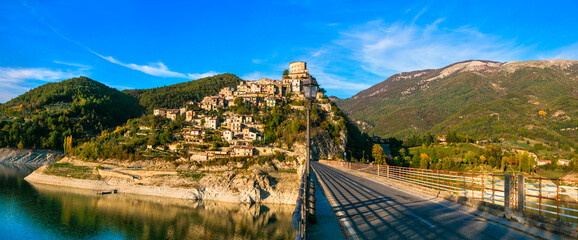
[(540, 196), (493, 191), (558, 200), (507, 188), (387, 172), (483, 188), (378, 170), (521, 193)]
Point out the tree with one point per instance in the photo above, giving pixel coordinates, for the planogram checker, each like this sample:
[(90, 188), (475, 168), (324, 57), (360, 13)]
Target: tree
[(452, 137), (285, 72), (470, 157), (526, 162), (428, 139), (153, 140), (493, 153), (504, 163), (238, 101), (424, 161), (415, 160), (378, 154), (447, 163), (402, 152), (67, 144)]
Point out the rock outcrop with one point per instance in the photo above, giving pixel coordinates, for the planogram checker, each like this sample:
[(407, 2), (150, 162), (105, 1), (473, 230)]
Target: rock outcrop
[(260, 184), (28, 156)]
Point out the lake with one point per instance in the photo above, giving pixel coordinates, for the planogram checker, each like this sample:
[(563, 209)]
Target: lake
[(31, 211)]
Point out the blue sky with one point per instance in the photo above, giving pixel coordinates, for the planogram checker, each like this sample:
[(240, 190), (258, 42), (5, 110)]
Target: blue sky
[(349, 45)]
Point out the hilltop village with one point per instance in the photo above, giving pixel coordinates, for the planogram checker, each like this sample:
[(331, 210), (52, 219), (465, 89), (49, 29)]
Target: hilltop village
[(210, 118), (243, 144)]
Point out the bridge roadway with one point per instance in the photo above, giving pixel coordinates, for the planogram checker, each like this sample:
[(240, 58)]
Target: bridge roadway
[(376, 211)]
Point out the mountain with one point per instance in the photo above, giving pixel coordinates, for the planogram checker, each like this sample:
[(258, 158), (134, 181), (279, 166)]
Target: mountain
[(177, 95), (78, 107), (482, 99), (82, 108)]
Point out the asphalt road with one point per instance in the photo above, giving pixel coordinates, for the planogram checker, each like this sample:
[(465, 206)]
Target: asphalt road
[(376, 211)]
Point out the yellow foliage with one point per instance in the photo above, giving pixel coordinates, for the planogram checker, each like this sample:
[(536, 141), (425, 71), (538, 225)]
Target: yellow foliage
[(104, 133), (119, 129), (542, 113)]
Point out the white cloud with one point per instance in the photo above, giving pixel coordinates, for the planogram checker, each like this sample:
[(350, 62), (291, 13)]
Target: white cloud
[(158, 69), (15, 81), (78, 65), (18, 75), (366, 54), (201, 75), (384, 49)]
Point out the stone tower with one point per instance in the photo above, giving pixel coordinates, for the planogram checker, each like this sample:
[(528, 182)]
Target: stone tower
[(298, 70)]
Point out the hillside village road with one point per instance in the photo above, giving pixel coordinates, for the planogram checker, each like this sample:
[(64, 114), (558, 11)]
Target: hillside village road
[(376, 211)]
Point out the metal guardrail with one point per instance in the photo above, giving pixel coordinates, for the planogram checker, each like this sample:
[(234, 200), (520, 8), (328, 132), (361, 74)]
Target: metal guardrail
[(550, 197), (300, 213)]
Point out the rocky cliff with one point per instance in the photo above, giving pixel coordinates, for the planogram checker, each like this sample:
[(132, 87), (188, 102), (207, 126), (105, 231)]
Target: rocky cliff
[(28, 156), (254, 185)]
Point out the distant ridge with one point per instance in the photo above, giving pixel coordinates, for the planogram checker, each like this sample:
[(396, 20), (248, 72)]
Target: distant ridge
[(479, 98)]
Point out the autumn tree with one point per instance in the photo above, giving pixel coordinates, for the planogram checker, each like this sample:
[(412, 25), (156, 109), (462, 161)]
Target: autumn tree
[(378, 154), (424, 161), (67, 145)]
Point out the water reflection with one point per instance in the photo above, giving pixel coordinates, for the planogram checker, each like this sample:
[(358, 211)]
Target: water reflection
[(16, 170), (53, 212)]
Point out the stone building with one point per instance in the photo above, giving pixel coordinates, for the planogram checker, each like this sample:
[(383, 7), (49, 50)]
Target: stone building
[(227, 135), (173, 113), (297, 74), (213, 102), (272, 101), (212, 122), (236, 126), (243, 151), (189, 115), (298, 70), (227, 91), (160, 112)]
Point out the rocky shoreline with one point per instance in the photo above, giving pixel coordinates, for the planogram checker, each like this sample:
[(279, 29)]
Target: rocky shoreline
[(97, 185), (252, 187)]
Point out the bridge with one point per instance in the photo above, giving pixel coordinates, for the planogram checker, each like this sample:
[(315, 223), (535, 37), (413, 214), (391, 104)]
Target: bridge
[(383, 202)]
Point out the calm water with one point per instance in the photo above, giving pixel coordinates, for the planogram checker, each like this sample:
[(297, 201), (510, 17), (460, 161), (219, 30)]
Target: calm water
[(46, 212)]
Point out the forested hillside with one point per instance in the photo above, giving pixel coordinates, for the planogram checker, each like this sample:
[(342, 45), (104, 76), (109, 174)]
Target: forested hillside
[(177, 95), (478, 99), (79, 108)]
